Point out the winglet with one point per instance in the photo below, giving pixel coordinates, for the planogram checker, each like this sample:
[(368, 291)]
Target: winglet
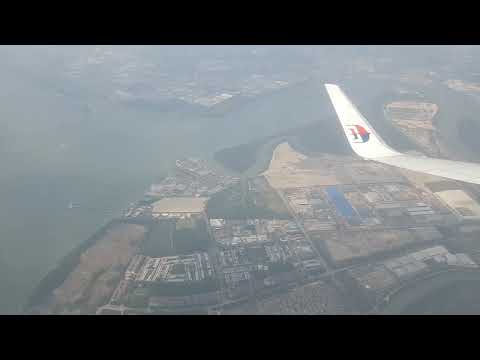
[(361, 136)]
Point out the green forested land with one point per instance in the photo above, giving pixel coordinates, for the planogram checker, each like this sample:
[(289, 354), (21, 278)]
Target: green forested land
[(237, 202), (239, 158), (468, 130), (158, 241), (188, 240), (183, 289)]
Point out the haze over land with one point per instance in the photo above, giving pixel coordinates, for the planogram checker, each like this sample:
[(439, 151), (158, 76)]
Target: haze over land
[(96, 125)]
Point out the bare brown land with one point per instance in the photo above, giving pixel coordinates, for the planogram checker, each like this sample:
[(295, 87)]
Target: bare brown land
[(415, 119), (94, 279), (361, 244), (291, 169)]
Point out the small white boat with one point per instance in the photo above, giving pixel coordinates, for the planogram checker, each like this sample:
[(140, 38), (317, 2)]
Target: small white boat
[(73, 205)]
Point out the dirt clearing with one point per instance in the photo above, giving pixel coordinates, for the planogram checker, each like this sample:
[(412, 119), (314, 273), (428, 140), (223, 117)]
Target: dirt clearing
[(100, 268)]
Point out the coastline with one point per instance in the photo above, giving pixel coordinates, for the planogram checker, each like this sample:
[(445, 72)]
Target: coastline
[(415, 292), (56, 276)]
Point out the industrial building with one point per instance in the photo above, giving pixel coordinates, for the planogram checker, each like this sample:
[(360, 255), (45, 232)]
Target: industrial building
[(461, 203), (179, 205), (193, 267)]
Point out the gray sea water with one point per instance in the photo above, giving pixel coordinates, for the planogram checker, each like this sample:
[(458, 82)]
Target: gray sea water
[(53, 152)]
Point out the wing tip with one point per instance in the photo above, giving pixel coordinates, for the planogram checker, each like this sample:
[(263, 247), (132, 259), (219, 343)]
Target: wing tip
[(332, 89)]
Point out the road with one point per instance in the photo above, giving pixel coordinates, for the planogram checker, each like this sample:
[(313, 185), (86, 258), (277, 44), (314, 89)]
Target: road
[(307, 236)]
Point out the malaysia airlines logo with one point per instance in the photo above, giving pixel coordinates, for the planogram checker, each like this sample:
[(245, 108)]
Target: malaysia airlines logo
[(357, 133)]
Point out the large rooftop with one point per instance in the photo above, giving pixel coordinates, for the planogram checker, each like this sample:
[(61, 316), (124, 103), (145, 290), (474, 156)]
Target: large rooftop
[(180, 205)]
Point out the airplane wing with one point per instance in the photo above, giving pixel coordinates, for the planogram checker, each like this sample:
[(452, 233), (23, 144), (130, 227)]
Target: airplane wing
[(366, 143)]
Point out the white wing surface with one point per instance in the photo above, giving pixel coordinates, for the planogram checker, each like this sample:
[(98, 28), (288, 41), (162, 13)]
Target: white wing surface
[(366, 143)]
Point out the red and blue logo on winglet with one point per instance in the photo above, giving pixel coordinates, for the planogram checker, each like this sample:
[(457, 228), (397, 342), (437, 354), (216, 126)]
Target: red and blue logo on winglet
[(358, 134)]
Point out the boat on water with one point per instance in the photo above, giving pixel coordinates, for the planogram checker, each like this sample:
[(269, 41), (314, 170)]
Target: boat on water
[(73, 205)]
